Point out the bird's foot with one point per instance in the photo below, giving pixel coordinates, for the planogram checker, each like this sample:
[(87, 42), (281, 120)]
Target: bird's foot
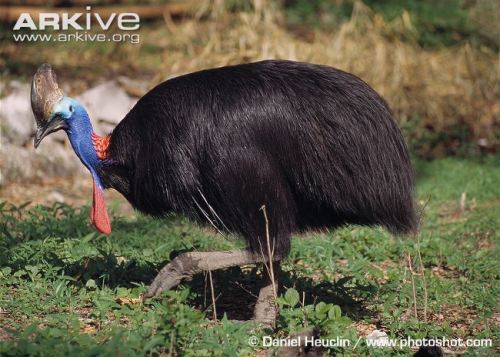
[(169, 277), (184, 266), (265, 312)]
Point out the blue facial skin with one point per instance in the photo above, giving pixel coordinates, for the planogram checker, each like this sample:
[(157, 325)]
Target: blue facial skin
[(79, 133)]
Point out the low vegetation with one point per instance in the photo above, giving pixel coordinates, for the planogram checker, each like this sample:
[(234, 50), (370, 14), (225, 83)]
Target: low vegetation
[(65, 288)]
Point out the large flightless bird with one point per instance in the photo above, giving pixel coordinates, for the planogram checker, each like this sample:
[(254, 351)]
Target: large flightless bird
[(263, 150)]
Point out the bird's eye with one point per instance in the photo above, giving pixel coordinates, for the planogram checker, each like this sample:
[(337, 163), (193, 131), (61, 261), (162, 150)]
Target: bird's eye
[(71, 108)]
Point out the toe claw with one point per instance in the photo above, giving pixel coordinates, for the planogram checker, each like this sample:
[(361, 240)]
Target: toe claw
[(169, 277), (150, 293)]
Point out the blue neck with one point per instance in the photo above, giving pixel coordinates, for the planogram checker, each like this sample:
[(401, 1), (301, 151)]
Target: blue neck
[(80, 135)]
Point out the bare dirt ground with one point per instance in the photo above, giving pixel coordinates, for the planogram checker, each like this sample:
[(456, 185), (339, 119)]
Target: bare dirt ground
[(72, 190)]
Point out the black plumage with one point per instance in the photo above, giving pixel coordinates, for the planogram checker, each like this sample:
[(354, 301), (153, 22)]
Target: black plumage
[(315, 145)]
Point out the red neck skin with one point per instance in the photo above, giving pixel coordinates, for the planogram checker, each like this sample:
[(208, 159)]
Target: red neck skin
[(98, 213), (101, 144)]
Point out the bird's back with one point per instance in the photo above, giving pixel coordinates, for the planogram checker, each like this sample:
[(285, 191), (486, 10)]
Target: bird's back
[(324, 135)]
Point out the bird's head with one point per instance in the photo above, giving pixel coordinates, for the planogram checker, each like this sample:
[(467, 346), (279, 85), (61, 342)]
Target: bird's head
[(67, 114), (53, 112)]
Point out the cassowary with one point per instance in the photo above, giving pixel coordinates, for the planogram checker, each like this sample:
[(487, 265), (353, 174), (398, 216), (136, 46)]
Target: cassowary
[(263, 150)]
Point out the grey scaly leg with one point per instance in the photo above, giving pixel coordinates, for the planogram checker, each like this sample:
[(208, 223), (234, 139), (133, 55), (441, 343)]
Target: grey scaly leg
[(188, 264), (265, 310)]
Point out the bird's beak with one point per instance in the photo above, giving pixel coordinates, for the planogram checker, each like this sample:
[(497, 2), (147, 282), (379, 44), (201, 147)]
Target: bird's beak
[(45, 93), (53, 125)]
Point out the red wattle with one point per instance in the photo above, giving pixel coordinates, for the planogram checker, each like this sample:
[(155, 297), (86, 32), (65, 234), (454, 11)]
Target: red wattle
[(98, 213)]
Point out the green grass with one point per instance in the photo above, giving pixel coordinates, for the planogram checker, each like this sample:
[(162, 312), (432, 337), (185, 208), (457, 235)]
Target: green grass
[(67, 290), (436, 23)]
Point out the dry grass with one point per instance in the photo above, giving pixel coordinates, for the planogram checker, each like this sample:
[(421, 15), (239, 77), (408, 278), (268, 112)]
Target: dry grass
[(443, 97), (443, 90)]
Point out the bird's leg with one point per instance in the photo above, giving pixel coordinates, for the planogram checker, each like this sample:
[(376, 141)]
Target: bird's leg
[(265, 310), (188, 264)]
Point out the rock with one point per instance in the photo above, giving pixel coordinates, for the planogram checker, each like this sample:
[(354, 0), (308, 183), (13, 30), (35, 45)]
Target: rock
[(56, 196), (133, 87), (26, 163), (107, 104), (17, 121), (379, 338)]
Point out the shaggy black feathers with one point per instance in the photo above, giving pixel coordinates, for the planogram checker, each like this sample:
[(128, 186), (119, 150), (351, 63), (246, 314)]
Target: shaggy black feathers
[(316, 146)]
